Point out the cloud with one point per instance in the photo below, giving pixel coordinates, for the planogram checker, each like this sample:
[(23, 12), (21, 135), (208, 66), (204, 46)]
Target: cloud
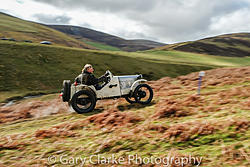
[(186, 20), (104, 5), (232, 22), (166, 20), (52, 19)]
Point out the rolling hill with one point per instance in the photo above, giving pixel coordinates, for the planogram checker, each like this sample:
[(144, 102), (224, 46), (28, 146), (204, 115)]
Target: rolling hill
[(72, 36), (230, 45), (82, 33), (21, 30), (30, 67), (212, 128), (179, 124)]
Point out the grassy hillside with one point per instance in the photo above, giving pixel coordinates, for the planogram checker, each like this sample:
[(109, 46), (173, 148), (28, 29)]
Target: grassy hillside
[(21, 30), (104, 38), (229, 45), (201, 59), (32, 67), (212, 127)]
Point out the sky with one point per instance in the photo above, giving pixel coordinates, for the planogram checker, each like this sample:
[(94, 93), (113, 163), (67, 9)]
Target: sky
[(167, 21)]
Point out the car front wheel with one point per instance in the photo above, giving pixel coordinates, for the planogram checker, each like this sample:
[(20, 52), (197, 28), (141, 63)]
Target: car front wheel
[(131, 100), (143, 94)]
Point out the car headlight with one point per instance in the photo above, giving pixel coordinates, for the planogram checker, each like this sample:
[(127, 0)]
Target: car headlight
[(140, 76)]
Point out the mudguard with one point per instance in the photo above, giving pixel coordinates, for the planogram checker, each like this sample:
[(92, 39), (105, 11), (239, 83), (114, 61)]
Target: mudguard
[(75, 89), (137, 82)]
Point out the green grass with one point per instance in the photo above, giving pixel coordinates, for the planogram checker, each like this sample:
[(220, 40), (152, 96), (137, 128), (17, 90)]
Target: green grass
[(101, 46)]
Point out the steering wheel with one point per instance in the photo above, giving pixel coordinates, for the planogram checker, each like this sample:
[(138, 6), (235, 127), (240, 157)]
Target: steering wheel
[(108, 79), (108, 73)]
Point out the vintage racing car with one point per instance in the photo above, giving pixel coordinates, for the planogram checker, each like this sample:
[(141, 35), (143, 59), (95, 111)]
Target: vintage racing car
[(82, 98)]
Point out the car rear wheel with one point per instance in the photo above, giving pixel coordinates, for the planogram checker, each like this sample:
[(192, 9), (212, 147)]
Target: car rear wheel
[(83, 101), (143, 94)]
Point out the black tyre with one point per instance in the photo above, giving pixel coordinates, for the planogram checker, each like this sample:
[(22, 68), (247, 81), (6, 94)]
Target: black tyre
[(143, 94), (131, 100), (83, 101), (66, 90)]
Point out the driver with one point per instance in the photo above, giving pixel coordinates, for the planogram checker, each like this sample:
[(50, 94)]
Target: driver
[(87, 77)]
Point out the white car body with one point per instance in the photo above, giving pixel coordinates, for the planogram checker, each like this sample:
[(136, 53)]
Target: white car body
[(118, 86)]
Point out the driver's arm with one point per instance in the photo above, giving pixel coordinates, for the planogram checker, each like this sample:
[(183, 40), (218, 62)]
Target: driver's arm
[(92, 80), (103, 78)]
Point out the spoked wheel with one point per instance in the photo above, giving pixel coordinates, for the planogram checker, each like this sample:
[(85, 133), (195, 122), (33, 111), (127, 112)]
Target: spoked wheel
[(143, 94), (83, 101), (131, 100)]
